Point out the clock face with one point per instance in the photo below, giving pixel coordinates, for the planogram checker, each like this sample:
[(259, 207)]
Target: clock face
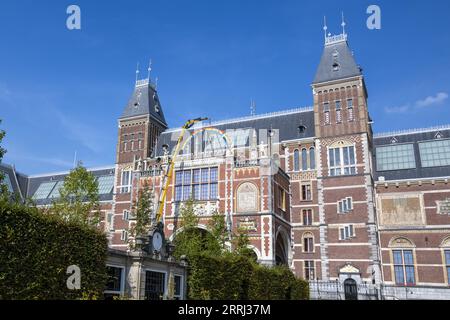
[(157, 241)]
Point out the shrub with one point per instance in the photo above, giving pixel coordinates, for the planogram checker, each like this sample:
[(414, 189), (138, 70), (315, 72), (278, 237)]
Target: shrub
[(36, 249), (235, 277)]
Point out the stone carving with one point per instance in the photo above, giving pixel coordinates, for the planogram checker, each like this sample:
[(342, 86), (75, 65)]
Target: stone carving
[(247, 198), (401, 243), (248, 224), (443, 207), (348, 268), (402, 211)]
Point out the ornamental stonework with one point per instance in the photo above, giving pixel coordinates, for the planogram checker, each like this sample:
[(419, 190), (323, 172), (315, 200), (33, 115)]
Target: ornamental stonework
[(247, 198), (402, 210)]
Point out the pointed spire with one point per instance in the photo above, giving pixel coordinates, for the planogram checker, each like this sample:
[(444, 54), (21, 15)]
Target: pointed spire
[(137, 72), (343, 24), (325, 28), (252, 107), (149, 69)]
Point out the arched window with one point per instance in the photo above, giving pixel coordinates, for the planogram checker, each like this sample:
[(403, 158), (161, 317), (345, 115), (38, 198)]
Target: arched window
[(296, 160), (308, 242), (304, 159), (312, 158)]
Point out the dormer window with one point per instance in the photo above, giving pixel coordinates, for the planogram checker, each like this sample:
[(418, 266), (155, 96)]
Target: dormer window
[(156, 108), (335, 66), (301, 129), (335, 54)]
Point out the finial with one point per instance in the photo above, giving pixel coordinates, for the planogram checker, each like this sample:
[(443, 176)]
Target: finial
[(156, 83), (137, 72), (149, 69), (252, 107), (343, 24), (325, 28)]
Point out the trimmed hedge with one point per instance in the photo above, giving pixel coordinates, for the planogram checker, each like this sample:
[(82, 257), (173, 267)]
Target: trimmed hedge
[(234, 277), (36, 249)]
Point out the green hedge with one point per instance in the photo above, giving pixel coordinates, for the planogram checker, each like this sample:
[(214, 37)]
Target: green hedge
[(234, 277), (36, 249)]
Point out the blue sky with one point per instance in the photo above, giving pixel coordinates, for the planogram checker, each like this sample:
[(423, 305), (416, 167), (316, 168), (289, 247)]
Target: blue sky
[(62, 91)]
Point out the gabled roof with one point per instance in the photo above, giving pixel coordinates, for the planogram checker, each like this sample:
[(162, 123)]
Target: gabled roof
[(144, 101), (337, 61)]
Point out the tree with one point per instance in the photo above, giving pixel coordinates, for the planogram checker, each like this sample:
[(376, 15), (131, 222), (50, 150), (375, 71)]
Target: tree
[(142, 212), (219, 233), (79, 199), (241, 242), (3, 188)]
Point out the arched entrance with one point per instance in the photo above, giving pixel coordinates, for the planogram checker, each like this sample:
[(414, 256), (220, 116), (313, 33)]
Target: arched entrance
[(350, 289), (282, 248)]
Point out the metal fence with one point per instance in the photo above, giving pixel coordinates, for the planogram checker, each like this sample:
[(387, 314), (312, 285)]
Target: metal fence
[(334, 290)]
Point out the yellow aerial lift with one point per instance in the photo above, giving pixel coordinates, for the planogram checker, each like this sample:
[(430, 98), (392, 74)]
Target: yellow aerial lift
[(157, 238)]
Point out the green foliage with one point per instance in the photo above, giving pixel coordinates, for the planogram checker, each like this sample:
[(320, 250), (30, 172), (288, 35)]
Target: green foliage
[(215, 273), (235, 277), (36, 249), (79, 199), (142, 212)]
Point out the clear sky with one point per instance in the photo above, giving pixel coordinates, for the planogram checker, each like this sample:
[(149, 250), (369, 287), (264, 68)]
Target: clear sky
[(62, 91)]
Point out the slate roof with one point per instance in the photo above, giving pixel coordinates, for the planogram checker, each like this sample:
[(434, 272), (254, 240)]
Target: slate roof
[(287, 122), (411, 136), (340, 53), (144, 101)]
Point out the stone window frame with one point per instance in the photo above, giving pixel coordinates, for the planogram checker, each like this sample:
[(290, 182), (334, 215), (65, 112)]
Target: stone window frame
[(405, 245), (306, 184), (308, 235), (351, 232), (122, 280), (312, 216), (307, 270), (445, 251), (341, 145), (350, 207)]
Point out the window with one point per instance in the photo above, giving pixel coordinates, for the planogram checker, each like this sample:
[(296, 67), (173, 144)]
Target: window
[(126, 182), (326, 107), (312, 158), (350, 103), (404, 267), (301, 129), (345, 206), (281, 199), (307, 217), (435, 153), (198, 184), (306, 192), (327, 117), (109, 225), (105, 184), (296, 160), (447, 263), (346, 232), (338, 105), (124, 236), (304, 160), (338, 116), (308, 243), (350, 115), (126, 215), (342, 161), (154, 285), (7, 181), (395, 157), (55, 192), (178, 288), (114, 286), (309, 270), (44, 190)]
